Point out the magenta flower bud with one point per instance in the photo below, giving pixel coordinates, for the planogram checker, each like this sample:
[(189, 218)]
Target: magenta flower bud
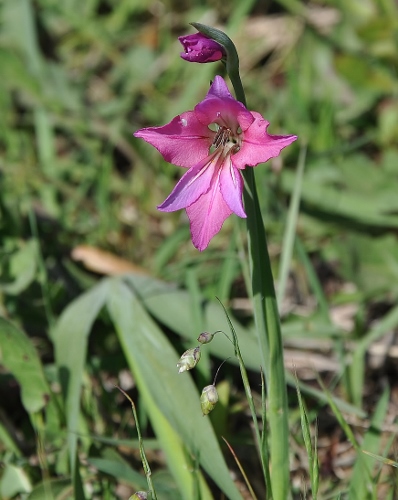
[(189, 360), (208, 399), (200, 49), (205, 337)]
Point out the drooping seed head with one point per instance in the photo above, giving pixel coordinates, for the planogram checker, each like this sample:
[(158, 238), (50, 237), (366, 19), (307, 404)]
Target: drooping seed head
[(189, 360), (208, 399)]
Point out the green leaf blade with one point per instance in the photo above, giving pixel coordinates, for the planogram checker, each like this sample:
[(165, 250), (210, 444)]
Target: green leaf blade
[(173, 399), (19, 356)]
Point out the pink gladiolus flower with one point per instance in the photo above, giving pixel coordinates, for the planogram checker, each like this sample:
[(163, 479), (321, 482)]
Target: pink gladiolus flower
[(200, 49), (215, 141)]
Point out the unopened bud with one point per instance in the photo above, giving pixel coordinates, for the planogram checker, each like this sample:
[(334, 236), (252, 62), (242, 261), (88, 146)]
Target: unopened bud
[(205, 337), (139, 495), (189, 360), (201, 49), (208, 399)]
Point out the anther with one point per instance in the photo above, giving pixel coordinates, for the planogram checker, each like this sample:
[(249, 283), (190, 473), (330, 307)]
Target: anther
[(222, 136)]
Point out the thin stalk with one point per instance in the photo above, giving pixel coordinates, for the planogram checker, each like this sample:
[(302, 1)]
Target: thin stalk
[(144, 461), (263, 451), (242, 470)]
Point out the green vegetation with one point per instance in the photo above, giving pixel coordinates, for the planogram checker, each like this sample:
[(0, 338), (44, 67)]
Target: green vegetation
[(99, 290)]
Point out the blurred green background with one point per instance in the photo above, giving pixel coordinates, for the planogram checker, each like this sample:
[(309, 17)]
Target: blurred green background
[(78, 201)]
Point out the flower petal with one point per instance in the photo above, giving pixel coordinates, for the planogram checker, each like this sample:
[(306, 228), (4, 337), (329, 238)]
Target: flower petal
[(258, 146), (220, 107), (191, 186), (207, 216), (231, 186), (219, 89), (184, 141)]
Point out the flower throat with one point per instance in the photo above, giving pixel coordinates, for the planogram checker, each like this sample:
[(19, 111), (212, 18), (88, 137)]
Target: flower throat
[(225, 139)]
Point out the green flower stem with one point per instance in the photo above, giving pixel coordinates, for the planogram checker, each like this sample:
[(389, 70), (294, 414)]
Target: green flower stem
[(264, 301), (270, 340)]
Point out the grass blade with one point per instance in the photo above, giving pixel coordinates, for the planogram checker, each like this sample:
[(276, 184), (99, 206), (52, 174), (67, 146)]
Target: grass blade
[(360, 484), (290, 228), (357, 368), (18, 355), (70, 339), (313, 464)]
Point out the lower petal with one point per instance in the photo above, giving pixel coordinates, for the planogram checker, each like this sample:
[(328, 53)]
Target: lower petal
[(191, 186), (231, 185), (207, 216)]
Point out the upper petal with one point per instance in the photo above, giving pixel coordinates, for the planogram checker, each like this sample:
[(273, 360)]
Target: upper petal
[(191, 186), (231, 186), (258, 146), (219, 88), (184, 141), (207, 216), (220, 107)]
